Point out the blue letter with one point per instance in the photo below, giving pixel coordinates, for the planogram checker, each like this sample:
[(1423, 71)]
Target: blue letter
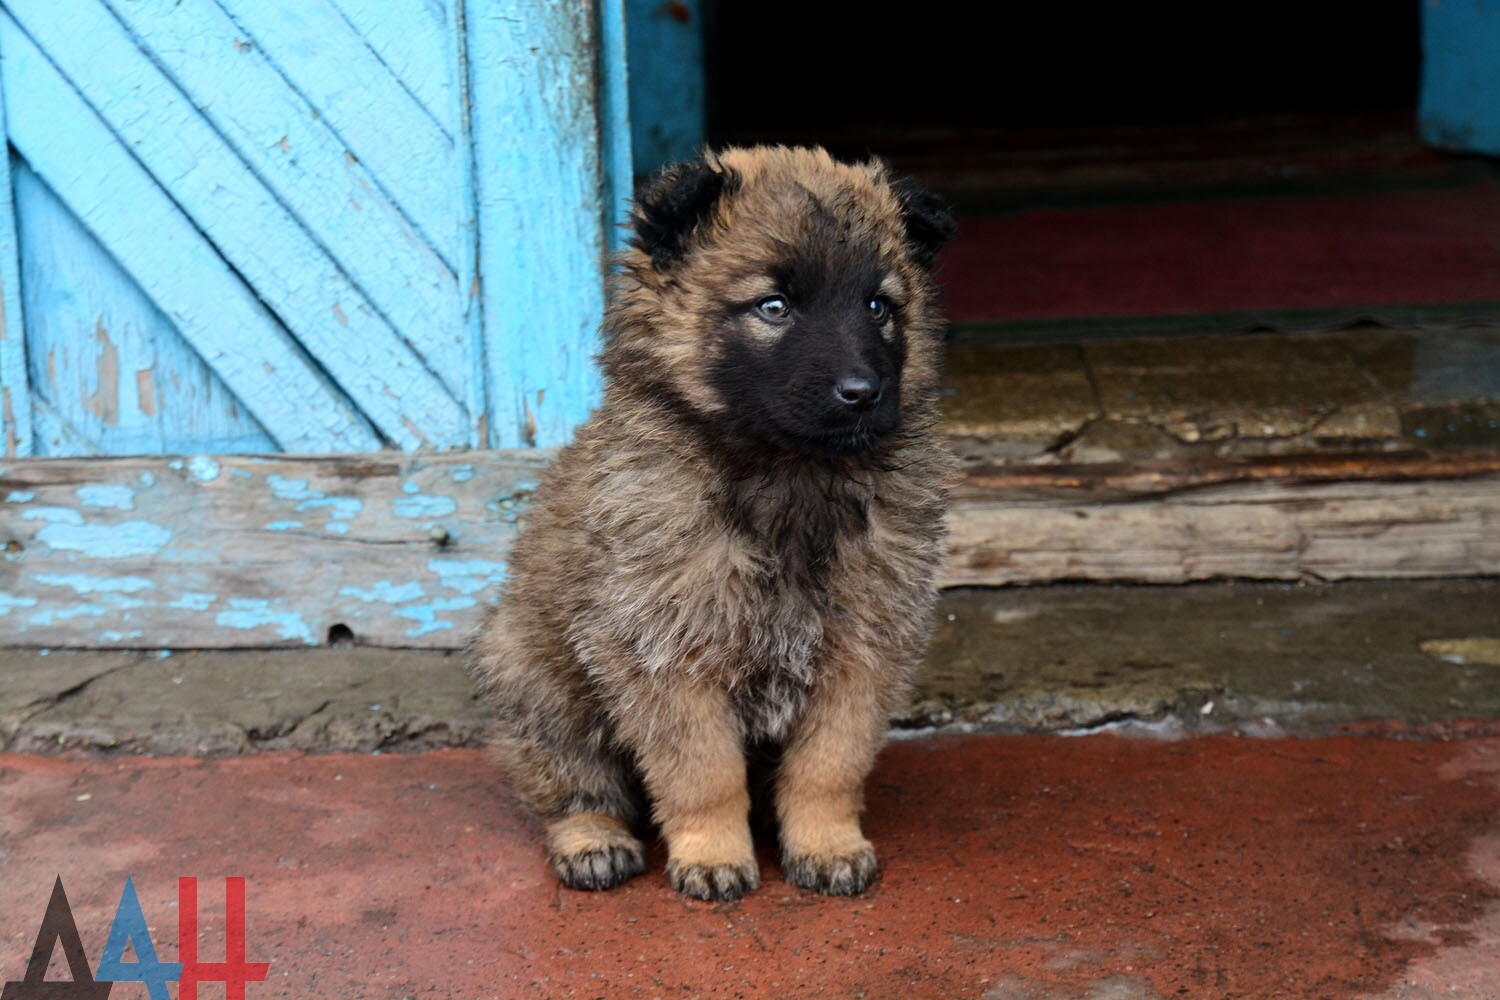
[(130, 928)]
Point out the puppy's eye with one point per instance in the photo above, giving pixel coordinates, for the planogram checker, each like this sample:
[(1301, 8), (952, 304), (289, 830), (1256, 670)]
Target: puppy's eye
[(774, 308), (879, 308)]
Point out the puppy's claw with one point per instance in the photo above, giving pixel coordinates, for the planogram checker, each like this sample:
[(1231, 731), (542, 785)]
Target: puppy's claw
[(832, 875), (714, 882), (603, 868)]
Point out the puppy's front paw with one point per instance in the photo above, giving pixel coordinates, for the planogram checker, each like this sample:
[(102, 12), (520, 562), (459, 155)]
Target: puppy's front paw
[(846, 874), (592, 851), (599, 869), (714, 882)]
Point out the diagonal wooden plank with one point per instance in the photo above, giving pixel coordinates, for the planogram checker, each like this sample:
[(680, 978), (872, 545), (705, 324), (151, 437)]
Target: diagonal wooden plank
[(15, 410), (288, 270), (415, 41), (286, 144), (379, 121), (105, 357), (58, 437), (75, 153)]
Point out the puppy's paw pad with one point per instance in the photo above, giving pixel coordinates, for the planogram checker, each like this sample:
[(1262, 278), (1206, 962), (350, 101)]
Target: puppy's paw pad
[(715, 882), (832, 875), (601, 868)]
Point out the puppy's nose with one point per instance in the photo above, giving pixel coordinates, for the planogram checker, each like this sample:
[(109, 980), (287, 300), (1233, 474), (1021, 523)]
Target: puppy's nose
[(858, 392)]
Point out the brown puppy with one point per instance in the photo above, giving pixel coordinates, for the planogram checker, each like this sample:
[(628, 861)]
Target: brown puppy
[(733, 562)]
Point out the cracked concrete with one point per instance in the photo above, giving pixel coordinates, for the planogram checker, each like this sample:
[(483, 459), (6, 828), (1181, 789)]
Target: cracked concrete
[(1249, 657)]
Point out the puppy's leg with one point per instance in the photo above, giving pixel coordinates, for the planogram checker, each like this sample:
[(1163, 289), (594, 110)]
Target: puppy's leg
[(691, 757), (558, 758), (820, 786)]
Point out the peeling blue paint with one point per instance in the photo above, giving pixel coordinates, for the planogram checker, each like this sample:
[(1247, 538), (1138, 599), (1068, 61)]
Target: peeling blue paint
[(462, 474), (147, 479), (106, 497), (467, 576), (20, 496), (291, 489), (203, 468), (337, 527), (340, 508), (8, 602), (249, 614), (386, 591), (191, 601), (82, 583), (242, 473), (426, 615), (410, 486), (111, 636), (106, 541), (283, 525), (53, 515), (51, 617), (423, 506)]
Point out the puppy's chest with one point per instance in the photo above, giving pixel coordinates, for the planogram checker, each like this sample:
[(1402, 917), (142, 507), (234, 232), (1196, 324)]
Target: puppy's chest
[(798, 550)]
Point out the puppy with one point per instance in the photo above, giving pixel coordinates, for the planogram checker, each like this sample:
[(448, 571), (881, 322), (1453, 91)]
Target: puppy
[(731, 567)]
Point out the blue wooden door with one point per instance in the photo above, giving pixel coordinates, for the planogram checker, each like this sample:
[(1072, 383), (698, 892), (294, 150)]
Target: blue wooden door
[(232, 226)]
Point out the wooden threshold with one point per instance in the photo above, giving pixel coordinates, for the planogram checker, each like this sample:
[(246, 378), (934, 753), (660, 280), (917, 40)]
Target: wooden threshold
[(405, 549)]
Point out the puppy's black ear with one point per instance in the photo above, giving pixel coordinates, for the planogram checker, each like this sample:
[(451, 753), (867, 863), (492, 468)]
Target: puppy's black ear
[(929, 222), (672, 204)]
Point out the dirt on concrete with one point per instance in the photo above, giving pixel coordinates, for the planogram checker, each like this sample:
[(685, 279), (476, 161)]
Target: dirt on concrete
[(1249, 657)]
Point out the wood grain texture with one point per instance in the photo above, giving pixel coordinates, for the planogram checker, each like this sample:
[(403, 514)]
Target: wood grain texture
[(405, 550), (15, 408), (112, 371), (379, 121), (70, 148), (414, 41), (221, 552), (285, 141), (329, 316), (541, 228)]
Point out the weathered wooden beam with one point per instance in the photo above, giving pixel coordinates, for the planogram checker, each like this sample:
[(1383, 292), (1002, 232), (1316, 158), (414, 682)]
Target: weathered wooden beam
[(397, 549), (405, 550)]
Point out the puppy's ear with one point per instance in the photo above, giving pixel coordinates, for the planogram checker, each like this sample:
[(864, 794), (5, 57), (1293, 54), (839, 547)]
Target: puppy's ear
[(673, 203), (929, 222)]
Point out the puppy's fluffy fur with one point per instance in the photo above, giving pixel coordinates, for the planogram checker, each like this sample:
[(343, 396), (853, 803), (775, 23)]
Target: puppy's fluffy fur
[(732, 565)]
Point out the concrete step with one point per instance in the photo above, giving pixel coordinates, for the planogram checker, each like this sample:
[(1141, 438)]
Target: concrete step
[(1420, 655)]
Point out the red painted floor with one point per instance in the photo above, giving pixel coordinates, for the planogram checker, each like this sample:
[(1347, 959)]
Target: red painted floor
[(1348, 251), (1034, 868)]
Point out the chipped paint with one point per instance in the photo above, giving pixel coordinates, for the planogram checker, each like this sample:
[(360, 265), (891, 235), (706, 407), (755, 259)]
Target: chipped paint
[(424, 506), (467, 576), (9, 602), (426, 615), (191, 601), (192, 565), (290, 489), (107, 497), (66, 532), (386, 592), (253, 614), (203, 468), (84, 583)]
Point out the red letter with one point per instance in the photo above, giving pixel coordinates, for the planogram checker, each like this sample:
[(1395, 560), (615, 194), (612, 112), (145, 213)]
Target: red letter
[(234, 972)]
